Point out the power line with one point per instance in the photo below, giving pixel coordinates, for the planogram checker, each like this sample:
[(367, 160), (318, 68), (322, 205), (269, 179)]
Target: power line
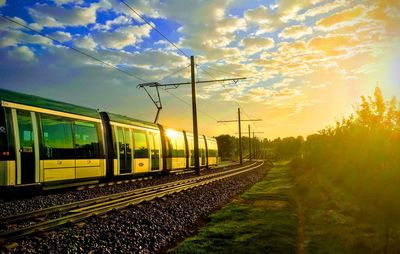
[(188, 104), (155, 29), (237, 103), (109, 64), (224, 72), (174, 45), (75, 49), (181, 51), (174, 73)]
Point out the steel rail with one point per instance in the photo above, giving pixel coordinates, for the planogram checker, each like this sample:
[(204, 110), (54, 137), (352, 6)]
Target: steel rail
[(81, 215), (83, 203)]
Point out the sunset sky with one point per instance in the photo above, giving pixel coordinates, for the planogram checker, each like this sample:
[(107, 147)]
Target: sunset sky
[(306, 62)]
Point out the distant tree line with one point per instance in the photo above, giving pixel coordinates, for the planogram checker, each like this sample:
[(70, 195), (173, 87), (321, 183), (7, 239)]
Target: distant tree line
[(228, 146), (277, 149)]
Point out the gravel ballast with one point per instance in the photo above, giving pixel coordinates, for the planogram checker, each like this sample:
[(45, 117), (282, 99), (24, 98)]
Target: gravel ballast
[(22, 205), (150, 227)]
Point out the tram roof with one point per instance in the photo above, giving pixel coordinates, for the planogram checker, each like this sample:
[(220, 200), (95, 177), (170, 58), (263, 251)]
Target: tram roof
[(131, 121), (36, 101)]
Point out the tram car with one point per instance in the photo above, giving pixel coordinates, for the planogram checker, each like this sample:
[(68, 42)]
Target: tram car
[(50, 144)]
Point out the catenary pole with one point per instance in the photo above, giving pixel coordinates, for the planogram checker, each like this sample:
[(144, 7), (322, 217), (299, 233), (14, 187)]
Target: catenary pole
[(240, 139), (250, 143), (194, 110)]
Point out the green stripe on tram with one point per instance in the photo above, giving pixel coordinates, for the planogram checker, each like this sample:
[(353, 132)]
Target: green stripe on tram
[(36, 101)]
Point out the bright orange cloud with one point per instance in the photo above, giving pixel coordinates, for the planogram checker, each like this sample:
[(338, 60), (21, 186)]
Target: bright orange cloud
[(295, 32), (332, 45), (340, 17)]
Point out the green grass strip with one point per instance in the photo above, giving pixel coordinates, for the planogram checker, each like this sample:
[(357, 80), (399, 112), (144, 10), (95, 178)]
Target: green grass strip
[(262, 220)]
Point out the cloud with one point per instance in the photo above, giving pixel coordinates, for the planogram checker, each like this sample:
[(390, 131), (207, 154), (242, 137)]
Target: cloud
[(286, 92), (61, 36), (146, 8), (257, 44), (263, 19), (230, 25), (259, 94), (295, 32), (283, 83), (120, 20), (290, 60), (331, 45), (206, 30), (231, 70), (85, 42), (22, 53), (57, 16), (322, 85), (214, 53), (61, 2), (270, 20), (157, 59), (123, 36), (344, 17), (324, 8), (260, 15), (11, 36)]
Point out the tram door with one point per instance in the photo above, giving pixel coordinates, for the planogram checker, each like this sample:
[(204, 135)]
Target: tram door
[(155, 151), (125, 150), (26, 146)]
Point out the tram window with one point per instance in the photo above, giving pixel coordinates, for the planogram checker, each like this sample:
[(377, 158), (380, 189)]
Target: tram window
[(141, 149), (174, 147), (57, 137), (202, 147), (156, 138), (212, 152), (120, 136), (86, 140), (178, 146)]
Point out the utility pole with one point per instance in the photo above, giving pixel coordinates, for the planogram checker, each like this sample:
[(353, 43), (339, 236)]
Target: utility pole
[(194, 113), (240, 132), (254, 145), (250, 143), (240, 139), (157, 103)]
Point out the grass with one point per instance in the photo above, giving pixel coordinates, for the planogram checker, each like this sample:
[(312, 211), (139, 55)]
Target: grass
[(336, 221), (262, 220)]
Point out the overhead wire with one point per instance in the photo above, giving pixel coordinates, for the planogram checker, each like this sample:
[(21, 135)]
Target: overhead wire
[(173, 73), (188, 104), (101, 61), (112, 65), (200, 110), (73, 48), (224, 72), (153, 27), (182, 52), (237, 103), (173, 44)]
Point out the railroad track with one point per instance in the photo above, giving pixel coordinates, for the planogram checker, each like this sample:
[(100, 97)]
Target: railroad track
[(53, 217), (146, 178)]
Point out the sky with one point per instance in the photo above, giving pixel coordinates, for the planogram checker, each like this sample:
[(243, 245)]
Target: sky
[(306, 63)]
